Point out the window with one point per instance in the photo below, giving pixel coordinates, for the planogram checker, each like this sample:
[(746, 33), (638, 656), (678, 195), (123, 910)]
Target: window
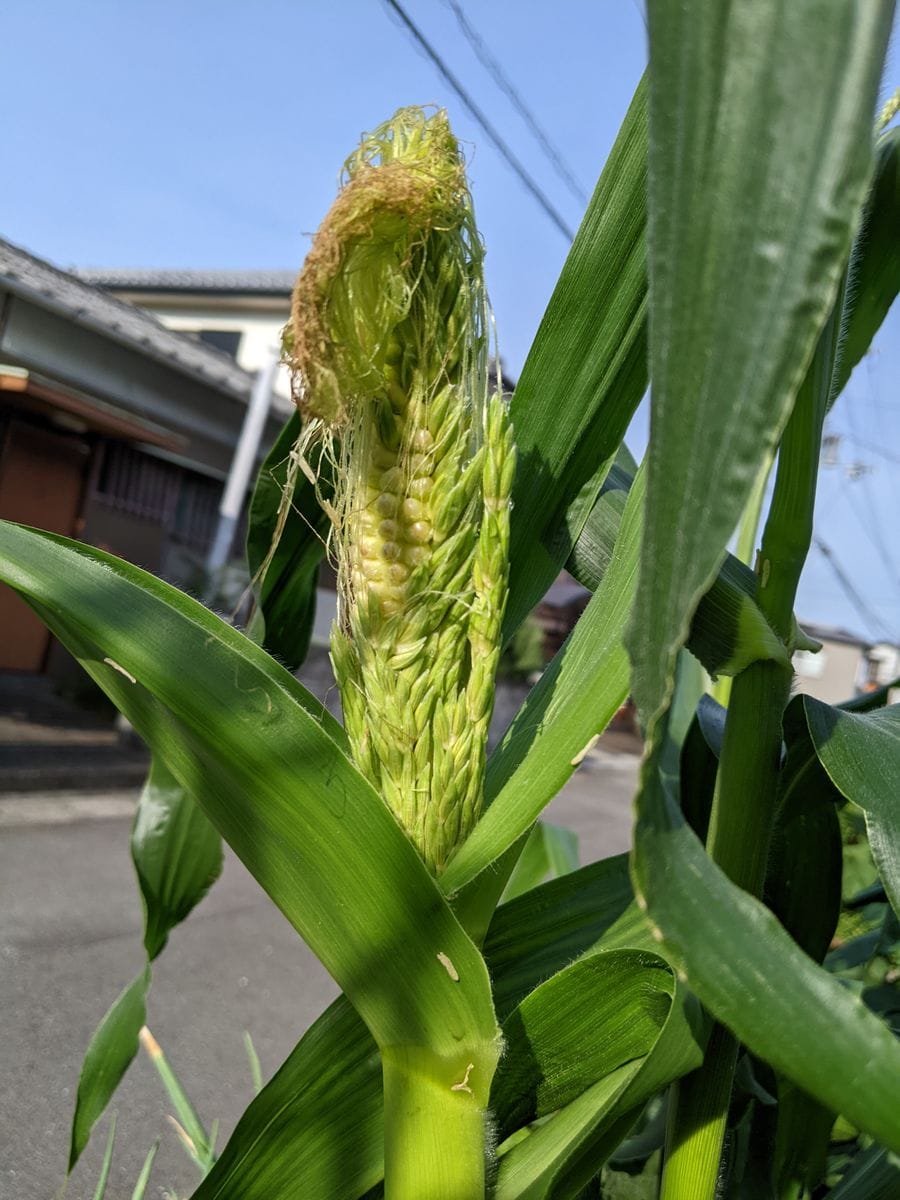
[(226, 340)]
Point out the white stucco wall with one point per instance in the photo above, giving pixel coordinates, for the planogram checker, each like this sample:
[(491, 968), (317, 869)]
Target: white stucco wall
[(831, 675), (260, 335)]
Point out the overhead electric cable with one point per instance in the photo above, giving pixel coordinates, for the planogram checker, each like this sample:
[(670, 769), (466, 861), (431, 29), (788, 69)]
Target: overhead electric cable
[(871, 447), (871, 619), (502, 80), (527, 181), (873, 532)]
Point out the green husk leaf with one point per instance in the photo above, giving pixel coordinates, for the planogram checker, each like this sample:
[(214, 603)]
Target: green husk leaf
[(576, 697), (286, 532)]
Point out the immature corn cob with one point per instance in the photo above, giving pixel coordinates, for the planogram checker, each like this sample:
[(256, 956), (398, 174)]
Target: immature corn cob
[(389, 342)]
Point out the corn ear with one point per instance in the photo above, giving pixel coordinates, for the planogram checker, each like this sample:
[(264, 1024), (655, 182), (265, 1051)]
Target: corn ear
[(389, 346)]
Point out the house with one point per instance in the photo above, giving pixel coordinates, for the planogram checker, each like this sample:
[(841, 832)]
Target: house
[(114, 429), (882, 667), (836, 672), (241, 313)]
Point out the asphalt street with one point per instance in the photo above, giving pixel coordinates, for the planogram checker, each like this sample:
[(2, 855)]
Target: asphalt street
[(70, 922)]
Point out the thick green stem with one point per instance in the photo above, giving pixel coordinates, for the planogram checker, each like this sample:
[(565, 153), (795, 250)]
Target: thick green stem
[(434, 1124), (747, 782), (744, 548)]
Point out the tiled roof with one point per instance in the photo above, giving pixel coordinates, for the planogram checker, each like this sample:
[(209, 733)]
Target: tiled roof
[(256, 283), (42, 284), (832, 633)]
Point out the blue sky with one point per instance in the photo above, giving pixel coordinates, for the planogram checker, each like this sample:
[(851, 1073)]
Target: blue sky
[(211, 135)]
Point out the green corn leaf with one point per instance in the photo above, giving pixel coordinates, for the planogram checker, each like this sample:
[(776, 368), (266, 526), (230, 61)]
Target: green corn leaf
[(592, 550), (108, 1056), (103, 1177), (803, 880), (319, 1119), (875, 273), (316, 1128), (728, 630), (594, 1042), (574, 701), (177, 854), (549, 850), (252, 747), (861, 753), (744, 267), (285, 577), (873, 1175), (585, 373), (583, 1023), (541, 931), (752, 203)]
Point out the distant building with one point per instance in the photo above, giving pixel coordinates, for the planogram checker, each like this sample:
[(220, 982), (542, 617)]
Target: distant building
[(113, 428), (241, 313), (882, 667), (838, 671)]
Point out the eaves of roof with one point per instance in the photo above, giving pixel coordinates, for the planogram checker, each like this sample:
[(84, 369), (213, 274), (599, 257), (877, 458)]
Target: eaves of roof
[(37, 281), (190, 282)]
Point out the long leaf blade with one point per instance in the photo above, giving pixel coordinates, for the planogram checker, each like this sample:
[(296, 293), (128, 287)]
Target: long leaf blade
[(111, 1050), (585, 373), (238, 732), (861, 753), (319, 1119), (177, 854), (752, 203)]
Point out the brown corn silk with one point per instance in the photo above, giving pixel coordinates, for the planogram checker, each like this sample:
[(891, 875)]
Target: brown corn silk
[(389, 345)]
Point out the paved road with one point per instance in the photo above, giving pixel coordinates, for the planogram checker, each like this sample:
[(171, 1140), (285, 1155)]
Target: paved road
[(70, 925)]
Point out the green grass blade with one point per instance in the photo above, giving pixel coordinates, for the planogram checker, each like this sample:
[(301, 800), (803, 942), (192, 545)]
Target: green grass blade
[(199, 1144), (111, 1050), (144, 1177), (253, 1060), (585, 373), (269, 769), (103, 1178), (861, 753), (177, 854)]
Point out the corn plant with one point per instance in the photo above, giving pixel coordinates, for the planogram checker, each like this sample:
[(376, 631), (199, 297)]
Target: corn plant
[(738, 254)]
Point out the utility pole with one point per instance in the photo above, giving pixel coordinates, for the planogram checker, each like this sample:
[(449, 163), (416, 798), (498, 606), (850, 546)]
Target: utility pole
[(241, 468)]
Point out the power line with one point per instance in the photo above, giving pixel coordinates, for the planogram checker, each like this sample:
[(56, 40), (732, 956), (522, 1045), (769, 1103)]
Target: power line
[(527, 181), (502, 80), (872, 448), (871, 619)]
